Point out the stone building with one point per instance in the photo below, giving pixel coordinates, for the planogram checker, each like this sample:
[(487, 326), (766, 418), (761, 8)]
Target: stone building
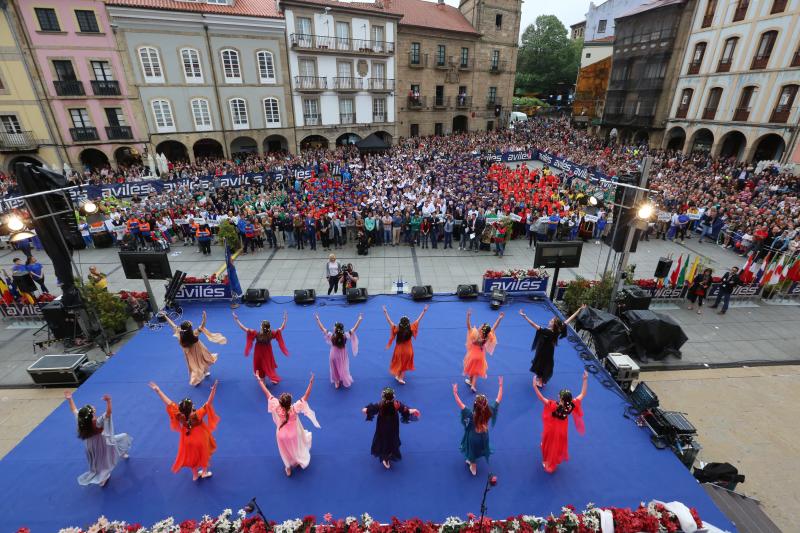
[(739, 78), (577, 30)]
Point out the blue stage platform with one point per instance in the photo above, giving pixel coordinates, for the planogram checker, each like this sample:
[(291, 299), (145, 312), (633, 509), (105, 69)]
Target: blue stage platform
[(614, 464)]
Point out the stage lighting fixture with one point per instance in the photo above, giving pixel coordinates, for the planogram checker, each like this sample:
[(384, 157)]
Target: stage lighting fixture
[(88, 207), (592, 200), (498, 298), (645, 211), (14, 223), (21, 235)]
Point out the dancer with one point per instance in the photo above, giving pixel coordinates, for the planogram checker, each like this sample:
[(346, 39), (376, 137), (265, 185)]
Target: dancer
[(390, 412), (403, 356), (196, 444), (475, 442), (554, 416), (294, 442), (263, 359), (103, 448), (544, 344), (198, 358), (479, 341), (337, 340)]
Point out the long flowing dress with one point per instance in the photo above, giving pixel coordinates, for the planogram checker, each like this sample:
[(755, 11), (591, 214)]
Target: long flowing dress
[(338, 361), (196, 448), (403, 356), (294, 441), (544, 345), (475, 361), (103, 452), (386, 441), (198, 358), (263, 359), (473, 444), (554, 435)]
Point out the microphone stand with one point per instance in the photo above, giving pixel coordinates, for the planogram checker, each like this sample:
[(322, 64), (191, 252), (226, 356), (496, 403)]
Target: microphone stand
[(486, 490)]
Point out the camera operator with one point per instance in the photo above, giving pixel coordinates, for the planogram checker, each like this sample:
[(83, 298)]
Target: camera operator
[(349, 278)]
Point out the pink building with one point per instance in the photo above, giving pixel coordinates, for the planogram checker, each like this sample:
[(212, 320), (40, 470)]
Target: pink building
[(96, 111)]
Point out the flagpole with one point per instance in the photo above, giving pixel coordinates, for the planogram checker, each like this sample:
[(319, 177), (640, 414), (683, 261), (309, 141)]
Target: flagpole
[(228, 261)]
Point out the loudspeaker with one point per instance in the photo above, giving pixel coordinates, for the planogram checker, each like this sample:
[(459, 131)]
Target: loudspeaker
[(467, 291), (421, 292), (356, 295), (256, 296), (305, 296), (624, 216), (663, 268), (61, 324), (634, 298)]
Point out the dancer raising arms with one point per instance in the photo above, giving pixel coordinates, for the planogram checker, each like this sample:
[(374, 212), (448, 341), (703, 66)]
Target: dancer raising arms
[(263, 359), (337, 340), (103, 448), (390, 412), (403, 356), (198, 358), (196, 444), (555, 449), (479, 341), (475, 442), (294, 442), (544, 344)]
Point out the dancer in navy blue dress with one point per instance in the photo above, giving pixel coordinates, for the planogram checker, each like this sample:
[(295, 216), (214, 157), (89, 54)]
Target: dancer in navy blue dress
[(475, 442), (544, 345), (390, 412)]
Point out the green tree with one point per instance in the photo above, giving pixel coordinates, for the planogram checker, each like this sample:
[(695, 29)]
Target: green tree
[(547, 56)]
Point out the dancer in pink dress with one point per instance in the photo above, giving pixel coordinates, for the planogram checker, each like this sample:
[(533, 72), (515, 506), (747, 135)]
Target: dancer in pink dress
[(198, 358), (263, 359), (337, 339), (294, 442)]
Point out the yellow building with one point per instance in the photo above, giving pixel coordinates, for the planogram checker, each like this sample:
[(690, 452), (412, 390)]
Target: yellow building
[(25, 134)]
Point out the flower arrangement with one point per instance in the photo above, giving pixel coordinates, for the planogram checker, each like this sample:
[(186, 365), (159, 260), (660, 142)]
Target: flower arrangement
[(516, 273), (213, 278), (44, 298), (139, 295), (651, 518)]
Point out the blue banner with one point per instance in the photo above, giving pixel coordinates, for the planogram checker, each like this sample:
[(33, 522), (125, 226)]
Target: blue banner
[(511, 157), (515, 285), (566, 165), (203, 291)]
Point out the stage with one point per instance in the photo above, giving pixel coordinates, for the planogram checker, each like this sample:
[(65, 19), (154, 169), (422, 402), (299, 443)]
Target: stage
[(613, 464)]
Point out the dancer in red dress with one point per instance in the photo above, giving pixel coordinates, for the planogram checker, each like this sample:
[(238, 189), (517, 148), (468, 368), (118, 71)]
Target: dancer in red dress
[(263, 359), (555, 415), (403, 356)]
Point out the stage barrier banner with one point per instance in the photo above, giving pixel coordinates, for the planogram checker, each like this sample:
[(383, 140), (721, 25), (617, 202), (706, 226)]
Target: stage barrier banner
[(515, 285), (203, 291), (566, 165), (508, 157), (20, 311), (794, 290), (680, 293)]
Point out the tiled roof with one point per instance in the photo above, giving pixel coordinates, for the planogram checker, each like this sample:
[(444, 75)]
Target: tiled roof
[(378, 6), (245, 8), (432, 15), (607, 39)]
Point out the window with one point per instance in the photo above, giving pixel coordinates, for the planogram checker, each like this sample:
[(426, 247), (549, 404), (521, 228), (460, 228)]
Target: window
[(304, 38), (379, 109), (162, 114), (151, 65), (10, 124), (64, 70), (796, 58), (778, 6), (346, 114), (492, 95), (48, 20), (764, 50), (80, 118), (230, 66), (343, 36), (87, 21), (201, 114), (192, 71), (490, 125), (218, 2), (712, 104), (601, 26), (439, 101), (708, 17), (414, 130), (741, 10), (102, 71), (441, 52), (784, 105), (742, 112), (379, 72), (414, 55), (464, 57), (498, 21), (588, 56), (378, 39), (683, 104), (266, 66), (495, 59), (272, 112), (310, 111), (115, 117), (697, 58), (726, 59), (239, 114), (438, 129)]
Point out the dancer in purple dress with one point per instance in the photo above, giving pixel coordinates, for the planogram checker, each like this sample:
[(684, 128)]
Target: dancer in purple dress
[(337, 339), (103, 448)]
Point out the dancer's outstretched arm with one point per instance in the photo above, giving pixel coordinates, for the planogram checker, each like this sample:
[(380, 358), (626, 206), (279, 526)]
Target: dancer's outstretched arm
[(531, 322), (164, 397), (285, 318), (575, 314), (358, 322), (469, 324), (107, 399), (538, 392), (170, 322), (455, 395), (238, 323), (264, 388), (308, 389), (499, 390), (72, 406), (585, 385), (422, 314), (213, 392), (497, 322), (319, 323), (202, 322), (388, 319)]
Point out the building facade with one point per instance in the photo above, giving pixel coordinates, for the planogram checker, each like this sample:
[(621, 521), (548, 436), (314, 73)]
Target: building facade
[(96, 113), (592, 83), (577, 30), (212, 77), (601, 18), (739, 78)]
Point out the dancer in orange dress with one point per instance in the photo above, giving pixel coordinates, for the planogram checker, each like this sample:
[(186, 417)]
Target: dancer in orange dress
[(555, 449), (403, 357), (479, 341), (263, 359), (196, 444)]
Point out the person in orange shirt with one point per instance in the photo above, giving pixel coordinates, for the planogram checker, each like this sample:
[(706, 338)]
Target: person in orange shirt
[(196, 444)]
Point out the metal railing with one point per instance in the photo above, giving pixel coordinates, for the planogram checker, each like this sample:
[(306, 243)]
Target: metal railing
[(69, 88), (379, 117), (441, 101), (724, 65), (463, 101), (417, 102), (310, 83), (21, 140), (311, 120), (694, 67), (493, 101), (340, 44), (465, 63), (347, 84), (496, 67), (347, 118), (682, 111), (759, 63), (105, 87), (381, 85), (741, 114), (119, 132), (780, 114), (440, 62), (417, 60), (84, 134), (709, 113)]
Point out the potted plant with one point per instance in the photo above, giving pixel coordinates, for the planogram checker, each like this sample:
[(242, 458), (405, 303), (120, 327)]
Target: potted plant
[(227, 232), (110, 308)]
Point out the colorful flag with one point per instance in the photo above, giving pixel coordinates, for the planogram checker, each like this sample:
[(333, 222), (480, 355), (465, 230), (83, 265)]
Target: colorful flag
[(763, 268), (794, 271), (673, 277), (5, 293), (780, 272), (682, 276), (693, 269)]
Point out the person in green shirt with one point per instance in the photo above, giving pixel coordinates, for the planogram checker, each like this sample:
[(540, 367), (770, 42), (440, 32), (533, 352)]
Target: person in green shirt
[(369, 226), (416, 220)]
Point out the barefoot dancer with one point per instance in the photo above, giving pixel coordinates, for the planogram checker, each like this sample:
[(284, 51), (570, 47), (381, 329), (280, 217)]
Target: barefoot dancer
[(479, 341), (339, 362), (544, 344), (294, 442), (263, 359), (390, 412), (475, 442), (403, 356), (103, 448), (555, 449), (198, 358), (196, 444)]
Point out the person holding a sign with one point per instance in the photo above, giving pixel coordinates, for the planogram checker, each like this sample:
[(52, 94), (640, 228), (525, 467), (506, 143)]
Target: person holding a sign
[(479, 342)]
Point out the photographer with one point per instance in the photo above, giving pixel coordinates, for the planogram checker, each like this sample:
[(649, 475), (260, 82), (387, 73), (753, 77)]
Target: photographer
[(349, 278)]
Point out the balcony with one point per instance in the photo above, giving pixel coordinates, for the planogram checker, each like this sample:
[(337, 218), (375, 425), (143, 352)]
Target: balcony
[(709, 113), (338, 45), (311, 120), (380, 85), (724, 65), (347, 84), (694, 68), (84, 134), (493, 101), (379, 117), (310, 83), (441, 62), (416, 102), (119, 132), (466, 63), (780, 114), (69, 88), (496, 67), (741, 114), (759, 63), (105, 88), (682, 111), (347, 118), (441, 102), (417, 60), (20, 141), (463, 101)]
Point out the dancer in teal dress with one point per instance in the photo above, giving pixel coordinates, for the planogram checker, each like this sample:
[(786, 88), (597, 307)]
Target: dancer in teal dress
[(475, 443)]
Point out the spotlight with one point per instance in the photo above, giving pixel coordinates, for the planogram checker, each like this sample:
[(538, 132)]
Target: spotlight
[(645, 211), (14, 223), (89, 207), (498, 298), (592, 200), (21, 235)]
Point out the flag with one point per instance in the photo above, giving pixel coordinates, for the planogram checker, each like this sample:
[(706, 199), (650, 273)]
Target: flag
[(780, 273), (673, 277), (794, 271), (682, 277), (233, 277), (693, 269), (5, 293), (769, 275), (746, 276), (763, 268)]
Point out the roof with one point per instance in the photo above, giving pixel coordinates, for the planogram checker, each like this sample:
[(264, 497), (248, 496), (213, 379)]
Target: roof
[(245, 8), (581, 23), (603, 40), (432, 15), (649, 6), (376, 7)]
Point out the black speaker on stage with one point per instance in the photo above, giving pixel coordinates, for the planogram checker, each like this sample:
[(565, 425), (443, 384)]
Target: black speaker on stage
[(467, 291), (356, 295), (305, 296), (635, 299), (256, 296), (663, 267), (60, 322), (421, 292)]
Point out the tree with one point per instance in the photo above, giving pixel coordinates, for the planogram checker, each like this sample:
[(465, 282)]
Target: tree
[(547, 56)]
